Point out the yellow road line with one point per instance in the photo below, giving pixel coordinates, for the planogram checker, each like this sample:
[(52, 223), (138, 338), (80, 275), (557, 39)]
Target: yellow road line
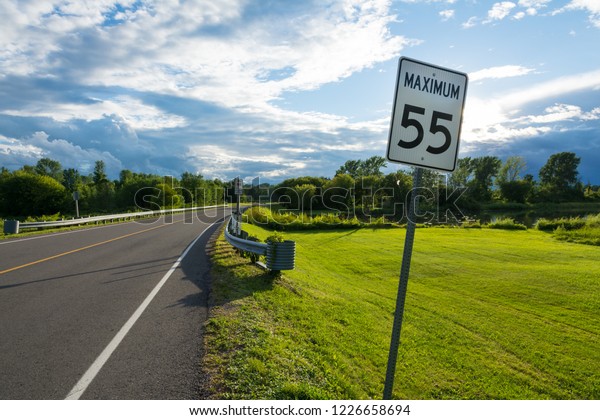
[(80, 249)]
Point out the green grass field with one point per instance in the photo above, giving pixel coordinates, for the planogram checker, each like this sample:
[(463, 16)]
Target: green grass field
[(490, 314)]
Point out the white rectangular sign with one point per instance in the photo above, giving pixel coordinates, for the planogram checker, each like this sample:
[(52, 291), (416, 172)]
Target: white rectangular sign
[(427, 115), (237, 186)]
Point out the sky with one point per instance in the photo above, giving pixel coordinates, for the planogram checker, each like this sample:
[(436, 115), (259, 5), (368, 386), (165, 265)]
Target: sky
[(280, 89)]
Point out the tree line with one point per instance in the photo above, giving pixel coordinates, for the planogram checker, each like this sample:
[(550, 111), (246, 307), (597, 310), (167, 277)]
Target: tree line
[(358, 185), (46, 188)]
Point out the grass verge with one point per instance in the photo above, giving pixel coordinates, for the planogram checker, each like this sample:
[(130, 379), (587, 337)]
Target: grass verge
[(490, 314)]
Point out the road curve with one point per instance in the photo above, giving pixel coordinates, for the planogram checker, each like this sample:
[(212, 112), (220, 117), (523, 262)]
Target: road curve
[(65, 297)]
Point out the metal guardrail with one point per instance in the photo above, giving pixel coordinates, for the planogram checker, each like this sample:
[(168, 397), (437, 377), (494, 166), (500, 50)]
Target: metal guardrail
[(258, 248), (279, 255), (13, 226)]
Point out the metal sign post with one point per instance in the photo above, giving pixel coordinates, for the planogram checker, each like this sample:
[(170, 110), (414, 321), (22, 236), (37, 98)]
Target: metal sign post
[(413, 208), (424, 133), (76, 198), (238, 192)]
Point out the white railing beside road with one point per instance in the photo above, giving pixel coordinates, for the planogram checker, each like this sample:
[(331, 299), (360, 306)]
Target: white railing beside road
[(13, 226)]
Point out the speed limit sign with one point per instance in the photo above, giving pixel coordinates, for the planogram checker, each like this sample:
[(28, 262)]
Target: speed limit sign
[(427, 115)]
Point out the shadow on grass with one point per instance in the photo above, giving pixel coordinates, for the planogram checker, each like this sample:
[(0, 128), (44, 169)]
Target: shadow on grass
[(232, 276)]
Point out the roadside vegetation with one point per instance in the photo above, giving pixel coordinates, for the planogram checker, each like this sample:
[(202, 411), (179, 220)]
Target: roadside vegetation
[(359, 188), (45, 190), (582, 230), (490, 314), (478, 185)]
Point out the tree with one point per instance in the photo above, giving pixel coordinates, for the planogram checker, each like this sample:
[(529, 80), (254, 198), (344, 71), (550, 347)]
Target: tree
[(367, 192), (49, 167), (166, 196), (516, 191), (559, 177), (339, 193), (193, 188), (304, 195), (512, 187), (484, 170), (71, 179), (350, 167), (511, 169), (372, 166), (360, 168), (462, 174), (135, 188), (125, 176), (100, 172), (103, 194), (26, 194)]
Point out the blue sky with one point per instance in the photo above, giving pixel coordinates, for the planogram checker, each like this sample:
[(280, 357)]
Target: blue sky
[(279, 89)]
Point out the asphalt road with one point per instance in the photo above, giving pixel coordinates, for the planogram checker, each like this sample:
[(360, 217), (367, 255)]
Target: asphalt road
[(106, 312)]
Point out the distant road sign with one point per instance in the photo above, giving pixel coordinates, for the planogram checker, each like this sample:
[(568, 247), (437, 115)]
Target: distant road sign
[(238, 186), (76, 195), (427, 115)]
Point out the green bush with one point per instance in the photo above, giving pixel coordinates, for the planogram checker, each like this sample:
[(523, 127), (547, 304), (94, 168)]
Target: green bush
[(471, 224), (586, 235), (579, 230), (26, 194), (275, 238), (251, 255), (593, 221), (288, 221), (506, 223), (571, 223), (47, 218)]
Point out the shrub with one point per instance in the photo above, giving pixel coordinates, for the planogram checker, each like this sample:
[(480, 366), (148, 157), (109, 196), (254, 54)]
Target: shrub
[(586, 235), (471, 224), (292, 221), (506, 223), (571, 223), (593, 221), (253, 257), (579, 230), (276, 237), (46, 218)]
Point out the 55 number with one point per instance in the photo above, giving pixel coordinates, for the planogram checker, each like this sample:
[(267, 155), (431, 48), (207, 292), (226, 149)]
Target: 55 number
[(434, 128)]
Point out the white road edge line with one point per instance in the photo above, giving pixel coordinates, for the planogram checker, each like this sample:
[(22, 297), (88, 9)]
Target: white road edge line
[(93, 370)]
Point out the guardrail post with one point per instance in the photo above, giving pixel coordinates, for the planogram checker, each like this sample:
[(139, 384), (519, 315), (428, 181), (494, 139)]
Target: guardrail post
[(11, 227)]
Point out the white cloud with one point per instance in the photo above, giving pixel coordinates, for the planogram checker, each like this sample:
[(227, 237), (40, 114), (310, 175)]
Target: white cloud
[(134, 112), (447, 14), (556, 113), (499, 72), (214, 160), (498, 119), (502, 10), (533, 5), (13, 150), (554, 88), (107, 76), (564, 112), (27, 151), (316, 45), (591, 6), (471, 22), (499, 11), (594, 114)]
